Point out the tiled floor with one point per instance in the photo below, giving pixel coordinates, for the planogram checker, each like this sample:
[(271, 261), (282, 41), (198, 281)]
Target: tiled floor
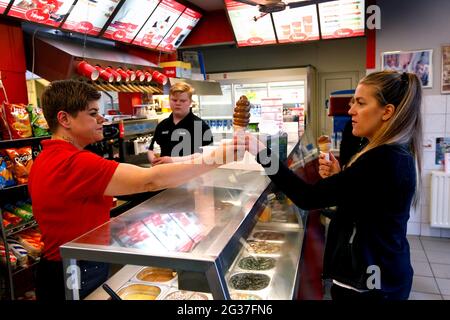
[(431, 263)]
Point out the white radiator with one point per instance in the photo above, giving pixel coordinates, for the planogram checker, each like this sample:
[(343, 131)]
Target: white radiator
[(440, 199)]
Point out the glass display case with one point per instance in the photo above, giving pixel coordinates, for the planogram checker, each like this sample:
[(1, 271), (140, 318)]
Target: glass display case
[(215, 232)]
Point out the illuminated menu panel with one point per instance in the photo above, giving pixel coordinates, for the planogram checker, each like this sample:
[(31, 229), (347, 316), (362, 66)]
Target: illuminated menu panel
[(159, 23), (3, 5), (180, 30), (342, 19), (89, 17), (48, 12), (129, 20), (297, 24), (247, 31)]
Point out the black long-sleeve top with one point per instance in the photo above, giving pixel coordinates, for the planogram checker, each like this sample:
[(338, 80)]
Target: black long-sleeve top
[(373, 198)]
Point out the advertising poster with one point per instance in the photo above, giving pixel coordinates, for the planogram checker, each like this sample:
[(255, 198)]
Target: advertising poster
[(249, 27), (159, 23), (418, 62), (89, 17), (180, 30), (442, 147), (297, 24), (48, 12), (445, 80), (130, 19), (342, 19), (168, 232)]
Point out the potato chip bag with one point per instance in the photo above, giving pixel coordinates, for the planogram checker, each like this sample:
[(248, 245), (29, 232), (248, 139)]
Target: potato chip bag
[(6, 171), (38, 122), (23, 160), (18, 120)]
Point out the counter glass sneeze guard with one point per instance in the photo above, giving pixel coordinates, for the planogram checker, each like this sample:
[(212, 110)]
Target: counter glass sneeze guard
[(222, 204)]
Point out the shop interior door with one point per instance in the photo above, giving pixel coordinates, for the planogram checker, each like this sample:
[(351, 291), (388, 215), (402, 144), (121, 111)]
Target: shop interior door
[(330, 82)]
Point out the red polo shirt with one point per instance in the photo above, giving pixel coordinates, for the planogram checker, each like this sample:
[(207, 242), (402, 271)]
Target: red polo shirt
[(66, 187)]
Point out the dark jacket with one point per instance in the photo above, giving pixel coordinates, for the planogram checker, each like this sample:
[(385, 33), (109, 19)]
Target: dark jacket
[(373, 198), (191, 132)]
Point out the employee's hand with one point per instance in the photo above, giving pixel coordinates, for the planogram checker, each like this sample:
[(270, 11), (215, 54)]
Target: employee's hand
[(226, 152), (328, 168), (161, 160), (253, 144)]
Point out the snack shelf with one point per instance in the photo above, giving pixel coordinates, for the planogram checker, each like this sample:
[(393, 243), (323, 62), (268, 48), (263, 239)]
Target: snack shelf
[(11, 195), (21, 142), (18, 270), (21, 227), (13, 188)]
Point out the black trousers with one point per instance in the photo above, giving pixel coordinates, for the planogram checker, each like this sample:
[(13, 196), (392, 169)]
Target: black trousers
[(50, 285), (339, 293)]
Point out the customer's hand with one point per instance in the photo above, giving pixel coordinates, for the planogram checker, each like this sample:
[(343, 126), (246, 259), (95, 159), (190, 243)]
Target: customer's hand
[(253, 144), (161, 160), (328, 168)]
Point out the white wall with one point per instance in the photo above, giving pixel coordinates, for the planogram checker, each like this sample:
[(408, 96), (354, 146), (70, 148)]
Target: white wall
[(415, 25), (326, 56)]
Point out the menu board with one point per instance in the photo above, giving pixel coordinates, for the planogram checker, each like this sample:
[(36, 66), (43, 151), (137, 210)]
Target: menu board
[(297, 24), (130, 19), (3, 5), (48, 12), (247, 31), (342, 19), (159, 23), (180, 30), (89, 17)]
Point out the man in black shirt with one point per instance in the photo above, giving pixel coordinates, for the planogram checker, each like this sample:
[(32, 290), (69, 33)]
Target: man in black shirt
[(181, 135)]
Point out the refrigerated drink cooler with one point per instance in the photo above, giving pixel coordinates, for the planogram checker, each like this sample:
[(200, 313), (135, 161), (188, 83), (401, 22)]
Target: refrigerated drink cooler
[(338, 108)]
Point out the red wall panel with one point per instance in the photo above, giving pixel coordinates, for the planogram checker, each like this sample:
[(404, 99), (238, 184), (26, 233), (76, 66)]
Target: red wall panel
[(213, 28), (12, 62)]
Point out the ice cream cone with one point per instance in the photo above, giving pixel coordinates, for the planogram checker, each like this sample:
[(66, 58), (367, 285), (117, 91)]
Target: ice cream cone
[(324, 144), (238, 128)]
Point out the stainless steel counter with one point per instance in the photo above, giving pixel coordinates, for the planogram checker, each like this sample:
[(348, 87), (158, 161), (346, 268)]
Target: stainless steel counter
[(199, 228)]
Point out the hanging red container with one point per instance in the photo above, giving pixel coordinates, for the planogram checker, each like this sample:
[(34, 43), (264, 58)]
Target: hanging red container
[(124, 75), (105, 75), (87, 70), (159, 77), (116, 75)]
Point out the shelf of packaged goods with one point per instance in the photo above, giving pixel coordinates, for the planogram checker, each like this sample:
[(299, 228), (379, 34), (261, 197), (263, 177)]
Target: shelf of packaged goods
[(20, 186), (20, 269), (14, 143), (20, 227)]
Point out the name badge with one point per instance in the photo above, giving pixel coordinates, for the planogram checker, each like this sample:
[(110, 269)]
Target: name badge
[(165, 132)]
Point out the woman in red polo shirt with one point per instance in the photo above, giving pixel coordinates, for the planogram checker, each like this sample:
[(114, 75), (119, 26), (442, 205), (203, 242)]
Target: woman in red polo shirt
[(71, 188)]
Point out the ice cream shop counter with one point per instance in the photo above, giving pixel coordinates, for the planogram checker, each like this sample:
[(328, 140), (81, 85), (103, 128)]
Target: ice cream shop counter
[(226, 234)]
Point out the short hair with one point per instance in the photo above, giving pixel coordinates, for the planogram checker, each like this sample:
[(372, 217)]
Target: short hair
[(182, 87), (71, 96)]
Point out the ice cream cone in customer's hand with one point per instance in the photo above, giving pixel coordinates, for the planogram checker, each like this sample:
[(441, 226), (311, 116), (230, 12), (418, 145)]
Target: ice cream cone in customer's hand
[(324, 144)]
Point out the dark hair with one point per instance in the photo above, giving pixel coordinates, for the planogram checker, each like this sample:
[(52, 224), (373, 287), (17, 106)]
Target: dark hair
[(70, 96)]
